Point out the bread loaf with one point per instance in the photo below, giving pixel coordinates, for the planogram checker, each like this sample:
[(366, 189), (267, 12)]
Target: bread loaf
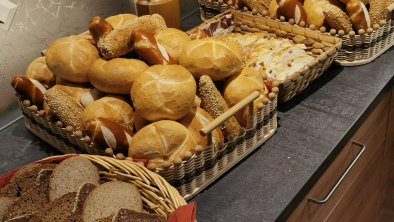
[(71, 57), (29, 89), (70, 175), (38, 70), (168, 140), (111, 108), (117, 20), (108, 198), (173, 40), (116, 75), (5, 203), (146, 46), (126, 215), (108, 134), (337, 19), (358, 14), (198, 119), (118, 42), (213, 102), (164, 92)]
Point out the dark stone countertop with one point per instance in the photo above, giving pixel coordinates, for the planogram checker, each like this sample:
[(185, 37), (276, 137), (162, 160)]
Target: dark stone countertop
[(268, 184)]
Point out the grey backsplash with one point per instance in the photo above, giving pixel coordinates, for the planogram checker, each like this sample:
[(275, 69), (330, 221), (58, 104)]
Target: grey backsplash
[(37, 23)]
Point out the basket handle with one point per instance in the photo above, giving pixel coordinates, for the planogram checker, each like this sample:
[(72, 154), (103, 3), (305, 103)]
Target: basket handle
[(229, 113)]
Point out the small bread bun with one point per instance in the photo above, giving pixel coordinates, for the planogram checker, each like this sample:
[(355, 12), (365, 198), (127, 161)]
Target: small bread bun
[(240, 86), (116, 75), (39, 71), (73, 89), (164, 92), (173, 40), (160, 141), (212, 57), (71, 57), (89, 97), (314, 12), (198, 119), (118, 20), (111, 108)]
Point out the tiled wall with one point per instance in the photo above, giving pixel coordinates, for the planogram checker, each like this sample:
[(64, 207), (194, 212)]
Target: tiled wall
[(37, 23)]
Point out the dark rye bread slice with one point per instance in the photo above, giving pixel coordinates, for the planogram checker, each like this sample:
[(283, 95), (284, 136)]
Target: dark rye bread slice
[(29, 202), (24, 179), (126, 215), (63, 207), (108, 198), (5, 202), (71, 174)]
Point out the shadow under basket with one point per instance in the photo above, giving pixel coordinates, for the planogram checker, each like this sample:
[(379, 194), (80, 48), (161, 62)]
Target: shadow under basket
[(192, 175)]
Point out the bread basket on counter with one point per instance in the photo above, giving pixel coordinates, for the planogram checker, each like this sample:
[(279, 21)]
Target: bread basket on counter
[(158, 196), (324, 48), (194, 173)]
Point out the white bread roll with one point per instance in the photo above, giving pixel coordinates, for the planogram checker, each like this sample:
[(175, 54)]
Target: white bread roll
[(39, 71), (118, 20), (314, 11), (112, 108), (198, 119), (92, 95), (212, 57), (164, 92), (73, 89), (71, 57), (116, 75), (160, 141), (173, 40), (242, 85)]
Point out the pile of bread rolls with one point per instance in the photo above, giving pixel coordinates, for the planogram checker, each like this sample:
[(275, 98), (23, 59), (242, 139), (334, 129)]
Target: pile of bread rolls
[(139, 90), (340, 17)]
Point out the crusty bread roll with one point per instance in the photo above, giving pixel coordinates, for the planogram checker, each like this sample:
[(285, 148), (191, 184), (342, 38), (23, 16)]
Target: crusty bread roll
[(198, 119), (358, 14), (240, 86), (160, 141), (212, 57), (71, 57), (92, 95), (73, 89), (39, 71), (337, 18), (29, 89), (116, 75), (314, 11), (292, 9), (112, 108), (120, 19), (164, 92), (173, 40)]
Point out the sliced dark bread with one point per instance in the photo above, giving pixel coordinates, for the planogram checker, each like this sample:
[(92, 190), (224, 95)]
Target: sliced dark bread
[(126, 215), (71, 174), (108, 198), (63, 207), (75, 217), (24, 179), (29, 202), (5, 202)]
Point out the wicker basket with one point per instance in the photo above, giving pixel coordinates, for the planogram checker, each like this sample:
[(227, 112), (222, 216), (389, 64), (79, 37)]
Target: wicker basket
[(293, 85), (158, 196), (192, 174), (211, 8)]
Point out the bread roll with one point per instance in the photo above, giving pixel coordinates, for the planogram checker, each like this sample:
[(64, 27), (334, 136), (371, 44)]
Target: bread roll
[(358, 14), (29, 89), (292, 9), (376, 10), (314, 11), (164, 92), (198, 119), (337, 19), (116, 75), (160, 141), (71, 57), (73, 89), (89, 97), (111, 108), (39, 71), (117, 20), (212, 57), (242, 85), (173, 40)]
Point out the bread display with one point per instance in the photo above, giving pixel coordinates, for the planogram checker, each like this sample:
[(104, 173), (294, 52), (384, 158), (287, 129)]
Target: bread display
[(164, 92), (38, 70), (198, 119), (108, 134), (212, 57), (173, 40), (112, 108), (65, 107), (115, 76), (71, 57), (168, 141), (213, 102)]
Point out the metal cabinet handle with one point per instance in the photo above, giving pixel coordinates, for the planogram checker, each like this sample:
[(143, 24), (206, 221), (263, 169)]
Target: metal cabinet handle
[(362, 149)]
